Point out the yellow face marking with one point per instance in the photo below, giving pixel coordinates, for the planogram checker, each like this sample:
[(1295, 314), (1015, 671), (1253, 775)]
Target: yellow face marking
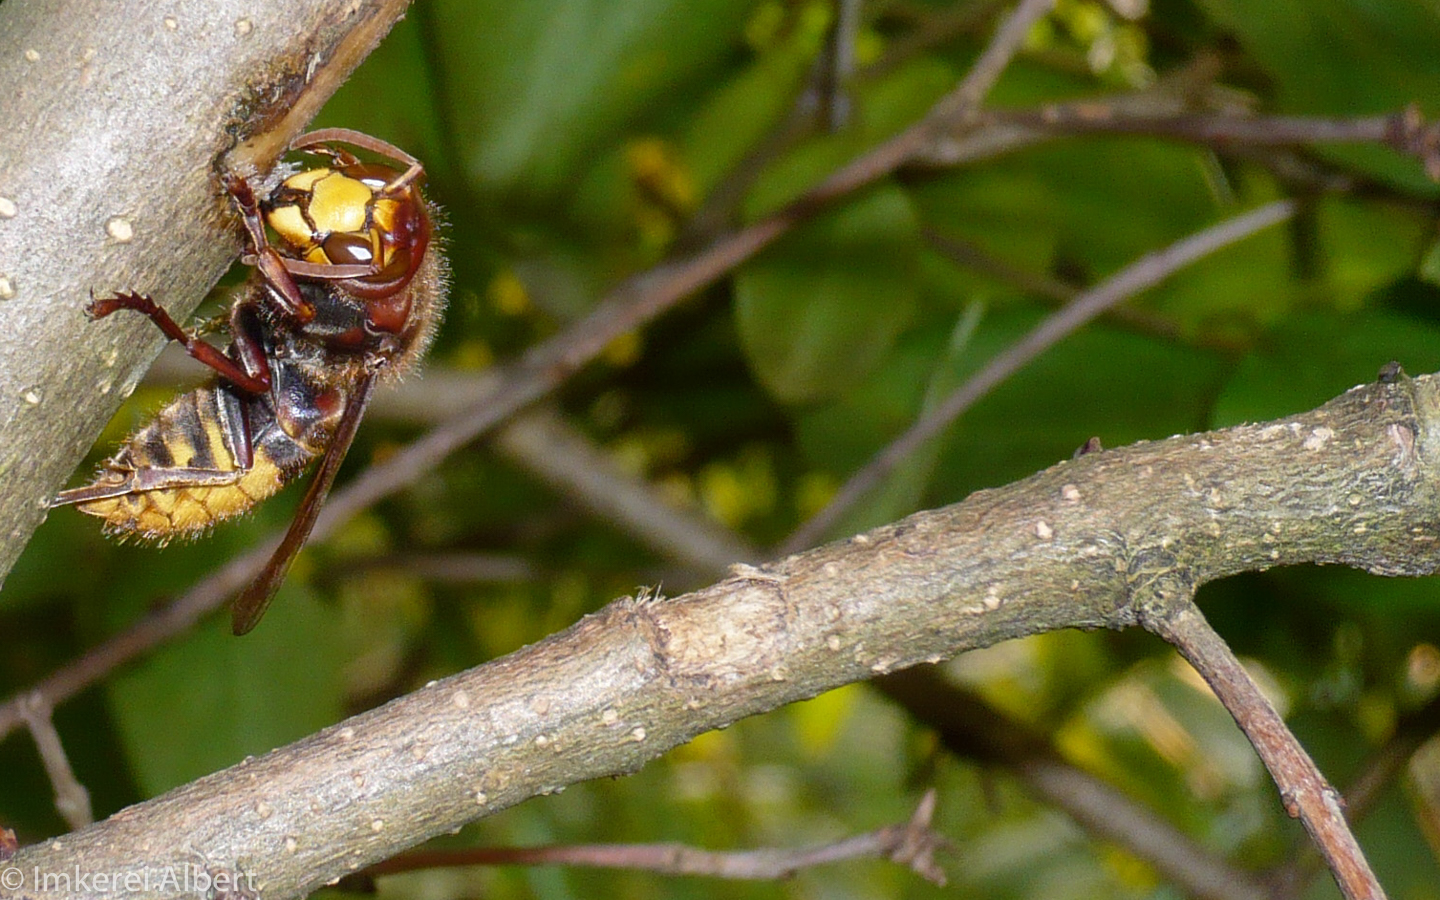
[(304, 181), (339, 204), (290, 224)]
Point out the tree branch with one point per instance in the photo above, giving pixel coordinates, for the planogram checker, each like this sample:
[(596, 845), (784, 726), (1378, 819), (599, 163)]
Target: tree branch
[(1353, 482), (116, 118)]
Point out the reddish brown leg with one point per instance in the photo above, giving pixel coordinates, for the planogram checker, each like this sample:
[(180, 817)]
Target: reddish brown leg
[(229, 369), (270, 263), (317, 139)]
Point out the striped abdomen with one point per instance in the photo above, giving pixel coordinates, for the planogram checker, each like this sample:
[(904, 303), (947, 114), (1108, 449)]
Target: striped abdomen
[(181, 473)]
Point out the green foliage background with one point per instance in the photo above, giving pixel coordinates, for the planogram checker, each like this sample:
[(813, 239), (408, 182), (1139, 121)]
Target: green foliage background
[(574, 142)]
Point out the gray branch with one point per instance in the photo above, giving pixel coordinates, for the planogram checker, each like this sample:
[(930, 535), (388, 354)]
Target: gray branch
[(1077, 545), (115, 118)]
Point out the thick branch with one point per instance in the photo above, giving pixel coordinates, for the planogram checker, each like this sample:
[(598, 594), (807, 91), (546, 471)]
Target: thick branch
[(113, 120), (1352, 482)]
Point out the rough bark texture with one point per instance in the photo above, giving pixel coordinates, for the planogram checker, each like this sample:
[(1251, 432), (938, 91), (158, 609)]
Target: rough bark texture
[(113, 122), (1087, 543)]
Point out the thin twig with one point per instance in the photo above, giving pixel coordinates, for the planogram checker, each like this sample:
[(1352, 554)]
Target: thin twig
[(931, 28), (1100, 118), (442, 568), (829, 90), (964, 101), (1146, 272), (71, 798), (1304, 791), (971, 728), (1411, 733), (1404, 131), (561, 456), (912, 844)]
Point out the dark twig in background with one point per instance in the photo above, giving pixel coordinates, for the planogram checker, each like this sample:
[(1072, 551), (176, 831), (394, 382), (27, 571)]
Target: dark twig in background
[(71, 798), (1405, 131), (973, 729), (912, 844)]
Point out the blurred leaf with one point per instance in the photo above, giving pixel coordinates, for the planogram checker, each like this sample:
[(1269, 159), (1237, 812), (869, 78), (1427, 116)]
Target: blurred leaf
[(1430, 265), (1087, 209), (819, 309), (904, 491), (740, 113), (535, 89), (1340, 56), (246, 695), (1365, 247)]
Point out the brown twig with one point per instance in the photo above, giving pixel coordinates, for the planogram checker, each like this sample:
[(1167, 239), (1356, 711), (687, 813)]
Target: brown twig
[(1404, 131), (928, 27), (1172, 614), (1144, 273), (1385, 764), (829, 89), (443, 568), (971, 728), (964, 102), (912, 844)]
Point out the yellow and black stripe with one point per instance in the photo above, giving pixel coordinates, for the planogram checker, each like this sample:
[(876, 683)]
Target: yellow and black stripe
[(193, 438)]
